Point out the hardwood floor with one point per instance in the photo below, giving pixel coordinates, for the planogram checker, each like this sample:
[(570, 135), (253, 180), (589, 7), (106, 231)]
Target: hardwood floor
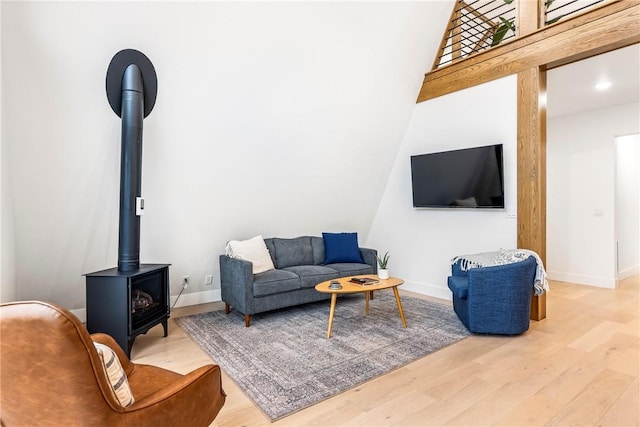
[(579, 366)]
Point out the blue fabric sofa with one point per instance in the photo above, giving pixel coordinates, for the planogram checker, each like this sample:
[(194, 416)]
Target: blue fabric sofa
[(299, 267), (494, 300)]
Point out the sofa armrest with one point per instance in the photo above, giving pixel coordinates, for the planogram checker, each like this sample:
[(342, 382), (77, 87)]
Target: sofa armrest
[(456, 269), (459, 286), (370, 256), (236, 283)]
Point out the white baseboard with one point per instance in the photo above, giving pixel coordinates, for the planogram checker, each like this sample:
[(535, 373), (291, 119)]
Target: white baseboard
[(427, 289), (601, 282), (184, 300), (628, 272), (196, 298)]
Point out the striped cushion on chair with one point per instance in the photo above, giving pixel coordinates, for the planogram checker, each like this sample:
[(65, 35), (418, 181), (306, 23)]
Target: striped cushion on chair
[(115, 373)]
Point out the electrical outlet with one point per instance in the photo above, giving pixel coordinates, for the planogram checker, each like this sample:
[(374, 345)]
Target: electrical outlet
[(208, 280), (185, 281)]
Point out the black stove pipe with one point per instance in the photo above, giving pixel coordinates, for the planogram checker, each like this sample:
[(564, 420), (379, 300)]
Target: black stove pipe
[(130, 168), (132, 87)]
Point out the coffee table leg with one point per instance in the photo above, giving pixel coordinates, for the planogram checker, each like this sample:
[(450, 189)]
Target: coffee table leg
[(395, 292), (334, 297), (366, 303)]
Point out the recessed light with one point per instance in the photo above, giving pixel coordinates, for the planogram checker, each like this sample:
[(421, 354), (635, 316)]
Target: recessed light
[(603, 85)]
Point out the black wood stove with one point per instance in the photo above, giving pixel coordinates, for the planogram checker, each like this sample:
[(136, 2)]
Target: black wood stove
[(125, 304), (129, 300)]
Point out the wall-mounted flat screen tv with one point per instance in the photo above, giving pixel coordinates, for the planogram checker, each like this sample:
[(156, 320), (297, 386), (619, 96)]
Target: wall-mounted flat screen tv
[(467, 178)]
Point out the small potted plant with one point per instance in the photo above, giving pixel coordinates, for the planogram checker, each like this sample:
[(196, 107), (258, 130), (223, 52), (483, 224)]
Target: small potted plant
[(383, 271)]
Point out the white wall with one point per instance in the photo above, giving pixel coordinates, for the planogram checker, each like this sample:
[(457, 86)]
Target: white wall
[(627, 204), (274, 118), (580, 193), (7, 243), (423, 241)]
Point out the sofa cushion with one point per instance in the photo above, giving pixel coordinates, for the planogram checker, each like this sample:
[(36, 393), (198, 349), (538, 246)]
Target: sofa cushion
[(341, 247), (311, 275), (272, 249), (275, 282), (293, 251), (253, 250), (317, 245), (351, 268), (459, 285)]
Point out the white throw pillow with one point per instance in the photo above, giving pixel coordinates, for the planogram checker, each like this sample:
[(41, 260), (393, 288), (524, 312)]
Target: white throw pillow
[(253, 250), (115, 373)]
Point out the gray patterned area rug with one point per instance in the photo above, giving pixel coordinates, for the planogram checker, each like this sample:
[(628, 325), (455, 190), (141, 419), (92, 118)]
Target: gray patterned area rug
[(285, 363)]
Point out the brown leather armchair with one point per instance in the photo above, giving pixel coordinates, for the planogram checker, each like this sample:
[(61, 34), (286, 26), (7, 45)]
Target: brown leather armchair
[(51, 374)]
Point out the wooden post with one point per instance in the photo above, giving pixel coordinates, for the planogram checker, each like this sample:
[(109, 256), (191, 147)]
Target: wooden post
[(528, 12), (532, 170), (445, 37), (456, 35)]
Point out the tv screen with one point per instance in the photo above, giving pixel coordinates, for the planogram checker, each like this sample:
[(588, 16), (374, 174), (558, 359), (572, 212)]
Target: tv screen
[(467, 178)]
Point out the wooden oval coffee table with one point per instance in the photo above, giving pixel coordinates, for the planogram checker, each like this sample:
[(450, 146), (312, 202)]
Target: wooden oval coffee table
[(353, 288)]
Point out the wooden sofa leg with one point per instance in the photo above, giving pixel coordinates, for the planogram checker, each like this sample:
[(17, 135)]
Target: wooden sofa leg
[(247, 318)]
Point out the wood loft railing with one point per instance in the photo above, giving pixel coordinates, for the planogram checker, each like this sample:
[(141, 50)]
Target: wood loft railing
[(477, 25), (473, 27), (555, 10), (610, 25)]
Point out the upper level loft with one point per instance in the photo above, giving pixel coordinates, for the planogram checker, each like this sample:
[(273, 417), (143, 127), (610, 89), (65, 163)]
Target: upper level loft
[(477, 25), (488, 39)]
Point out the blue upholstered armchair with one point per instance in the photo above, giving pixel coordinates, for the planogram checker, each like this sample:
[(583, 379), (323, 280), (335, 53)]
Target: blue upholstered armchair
[(494, 300)]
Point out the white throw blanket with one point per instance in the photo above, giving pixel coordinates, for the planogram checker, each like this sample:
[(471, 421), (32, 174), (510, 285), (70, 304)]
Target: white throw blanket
[(505, 256)]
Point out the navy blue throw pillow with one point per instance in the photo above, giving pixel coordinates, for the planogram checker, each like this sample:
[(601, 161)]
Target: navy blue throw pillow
[(341, 247)]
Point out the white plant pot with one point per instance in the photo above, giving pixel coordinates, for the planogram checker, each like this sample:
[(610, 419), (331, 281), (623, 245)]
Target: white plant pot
[(383, 273)]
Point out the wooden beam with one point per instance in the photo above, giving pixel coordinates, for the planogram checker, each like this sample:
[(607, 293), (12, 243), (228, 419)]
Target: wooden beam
[(532, 168), (609, 27)]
